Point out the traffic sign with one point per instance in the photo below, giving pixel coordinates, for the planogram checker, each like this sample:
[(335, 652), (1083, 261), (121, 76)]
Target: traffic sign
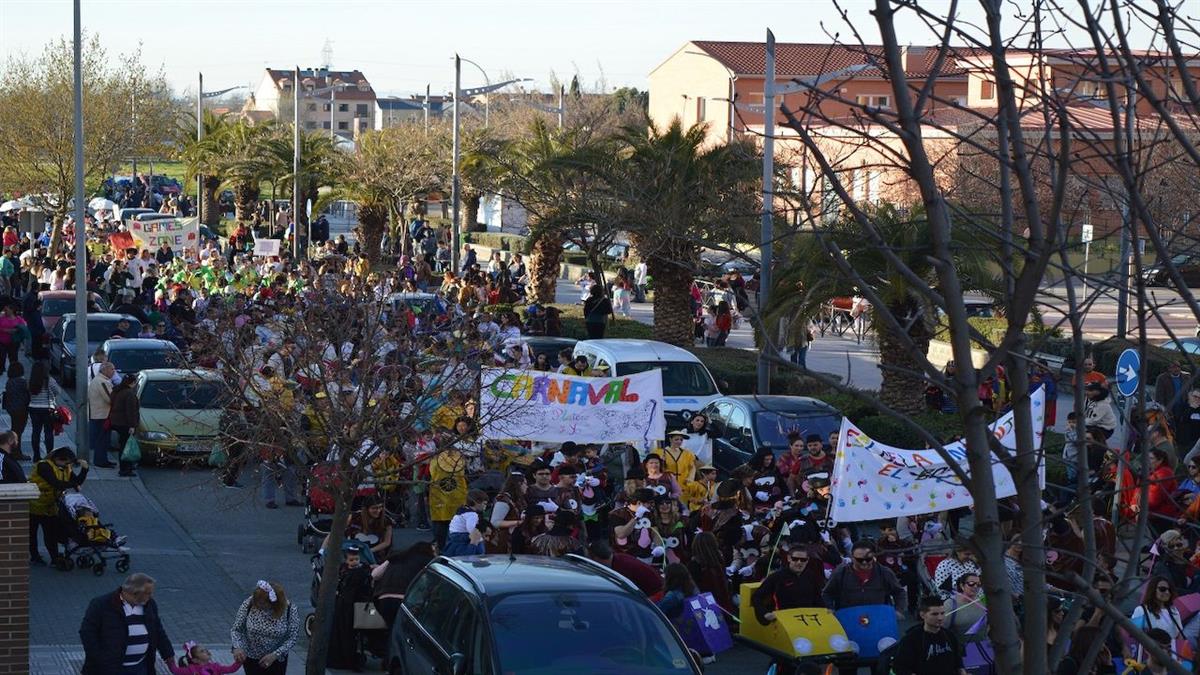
[(1086, 234), (1129, 372)]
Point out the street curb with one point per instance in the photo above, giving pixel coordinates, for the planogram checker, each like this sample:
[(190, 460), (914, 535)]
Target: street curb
[(192, 545)]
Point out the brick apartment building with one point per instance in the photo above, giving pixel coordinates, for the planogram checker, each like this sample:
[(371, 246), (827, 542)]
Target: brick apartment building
[(700, 82)]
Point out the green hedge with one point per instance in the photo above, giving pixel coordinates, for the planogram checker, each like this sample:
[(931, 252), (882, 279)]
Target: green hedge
[(499, 241), (993, 329), (736, 372), (573, 325)]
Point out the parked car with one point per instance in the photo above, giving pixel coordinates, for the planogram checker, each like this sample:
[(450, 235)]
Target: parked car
[(101, 327), (550, 346), (132, 356), (180, 411), (687, 384), (57, 303), (128, 214), (1187, 265), (531, 615), (148, 217), (742, 424), (1186, 345)]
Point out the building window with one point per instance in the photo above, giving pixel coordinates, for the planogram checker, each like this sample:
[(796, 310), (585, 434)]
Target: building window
[(362, 125), (987, 90), (700, 109), (360, 110), (325, 124), (874, 100), (343, 126), (1099, 90), (310, 125), (325, 107), (343, 107), (312, 107)]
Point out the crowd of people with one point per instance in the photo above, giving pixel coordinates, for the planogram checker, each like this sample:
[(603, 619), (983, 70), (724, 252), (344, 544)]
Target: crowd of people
[(662, 516)]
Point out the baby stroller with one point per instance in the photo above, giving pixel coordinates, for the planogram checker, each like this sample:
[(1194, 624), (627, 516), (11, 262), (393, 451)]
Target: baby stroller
[(88, 542), (318, 508), (354, 609)]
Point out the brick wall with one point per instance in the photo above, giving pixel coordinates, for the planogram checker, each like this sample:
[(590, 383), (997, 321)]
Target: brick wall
[(14, 577)]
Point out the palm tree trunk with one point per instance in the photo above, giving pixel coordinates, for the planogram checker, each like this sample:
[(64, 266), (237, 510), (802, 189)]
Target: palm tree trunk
[(244, 197), (545, 266), (372, 218), (210, 210), (902, 388), (674, 320), (470, 212)]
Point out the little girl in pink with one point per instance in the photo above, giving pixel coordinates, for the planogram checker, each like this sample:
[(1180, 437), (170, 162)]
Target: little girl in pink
[(197, 660)]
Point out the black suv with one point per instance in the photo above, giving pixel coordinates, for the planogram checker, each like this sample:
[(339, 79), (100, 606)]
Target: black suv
[(533, 615)]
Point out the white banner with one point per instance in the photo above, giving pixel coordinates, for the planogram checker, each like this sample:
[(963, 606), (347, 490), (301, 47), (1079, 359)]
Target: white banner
[(530, 405), (266, 247), (873, 481), (181, 234)]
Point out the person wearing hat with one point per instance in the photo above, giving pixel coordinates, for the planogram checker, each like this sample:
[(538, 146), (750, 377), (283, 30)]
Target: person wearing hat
[(533, 523), (657, 478), (1098, 412), (53, 476), (677, 459), (568, 497), (703, 491), (560, 539)]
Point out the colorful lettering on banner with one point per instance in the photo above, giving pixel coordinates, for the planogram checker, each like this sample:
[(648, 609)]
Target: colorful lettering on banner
[(873, 481), (179, 234), (801, 632), (552, 407)]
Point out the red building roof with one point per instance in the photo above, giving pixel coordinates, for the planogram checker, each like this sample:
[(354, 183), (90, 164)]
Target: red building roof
[(358, 87), (793, 59)]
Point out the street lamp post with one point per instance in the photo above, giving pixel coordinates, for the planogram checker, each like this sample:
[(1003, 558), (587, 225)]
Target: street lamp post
[(81, 291), (296, 165), (767, 226), (455, 182), (560, 111)]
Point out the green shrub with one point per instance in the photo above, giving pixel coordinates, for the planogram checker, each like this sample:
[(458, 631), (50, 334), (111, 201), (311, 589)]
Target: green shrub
[(993, 328), (573, 326), (499, 241)]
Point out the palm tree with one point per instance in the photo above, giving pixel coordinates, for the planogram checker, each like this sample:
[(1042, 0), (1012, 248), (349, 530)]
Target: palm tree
[(807, 279), (319, 165), (200, 158), (553, 174), (676, 192)]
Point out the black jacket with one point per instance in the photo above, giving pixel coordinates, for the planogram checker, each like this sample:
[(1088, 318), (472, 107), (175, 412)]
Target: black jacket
[(784, 589), (922, 653), (103, 634), (10, 469), (882, 588)]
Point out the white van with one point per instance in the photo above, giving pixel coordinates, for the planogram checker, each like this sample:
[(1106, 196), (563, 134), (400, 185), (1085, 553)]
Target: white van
[(687, 385)]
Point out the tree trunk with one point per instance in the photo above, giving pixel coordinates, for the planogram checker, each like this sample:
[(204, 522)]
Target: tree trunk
[(209, 209), (470, 212), (245, 196), (670, 264), (902, 388), (318, 647), (545, 265), (56, 233), (372, 218)]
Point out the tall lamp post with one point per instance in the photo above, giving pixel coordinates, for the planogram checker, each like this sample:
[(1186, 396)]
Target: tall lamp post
[(200, 96), (455, 182), (767, 226), (81, 292), (560, 111)]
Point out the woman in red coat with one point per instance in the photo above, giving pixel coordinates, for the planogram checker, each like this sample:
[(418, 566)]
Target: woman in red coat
[(1162, 485)]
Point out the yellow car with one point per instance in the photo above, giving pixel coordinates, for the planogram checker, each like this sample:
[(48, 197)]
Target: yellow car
[(180, 411)]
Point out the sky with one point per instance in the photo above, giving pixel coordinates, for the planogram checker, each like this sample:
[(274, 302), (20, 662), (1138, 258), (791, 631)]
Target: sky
[(402, 45)]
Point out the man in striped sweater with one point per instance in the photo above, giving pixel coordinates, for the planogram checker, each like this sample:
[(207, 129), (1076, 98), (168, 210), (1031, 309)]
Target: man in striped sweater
[(121, 631)]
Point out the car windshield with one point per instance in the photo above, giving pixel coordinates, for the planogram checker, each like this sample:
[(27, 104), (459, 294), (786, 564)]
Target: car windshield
[(593, 632), (100, 330), (60, 306), (774, 426), (679, 378), (137, 360), (181, 395)]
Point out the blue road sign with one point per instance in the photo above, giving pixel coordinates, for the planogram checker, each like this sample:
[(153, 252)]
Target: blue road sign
[(1129, 372)]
